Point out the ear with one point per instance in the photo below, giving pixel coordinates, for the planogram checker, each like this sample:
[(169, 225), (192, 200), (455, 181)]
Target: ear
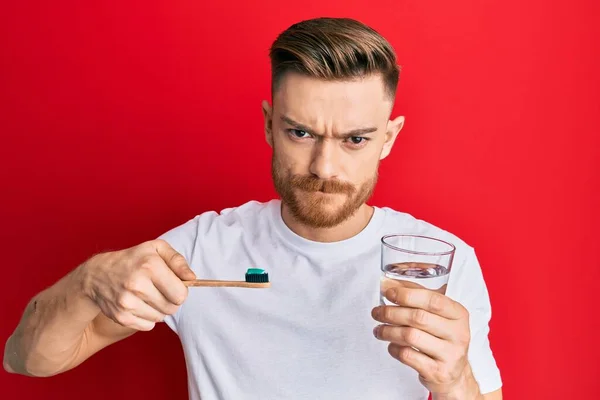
[(268, 114), (393, 128)]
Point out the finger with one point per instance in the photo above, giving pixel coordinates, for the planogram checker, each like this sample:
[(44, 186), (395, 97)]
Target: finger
[(427, 300), (141, 324), (137, 323), (415, 317), (174, 260), (146, 312), (167, 284), (153, 297), (129, 303), (157, 277), (406, 336), (420, 362), (129, 320)]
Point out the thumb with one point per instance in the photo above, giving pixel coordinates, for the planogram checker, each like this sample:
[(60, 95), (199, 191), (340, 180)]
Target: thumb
[(174, 260)]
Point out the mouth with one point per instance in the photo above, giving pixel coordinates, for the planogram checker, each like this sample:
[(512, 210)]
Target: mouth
[(320, 191), (326, 193)]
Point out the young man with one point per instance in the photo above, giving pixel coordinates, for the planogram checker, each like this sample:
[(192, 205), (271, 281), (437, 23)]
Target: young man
[(309, 336)]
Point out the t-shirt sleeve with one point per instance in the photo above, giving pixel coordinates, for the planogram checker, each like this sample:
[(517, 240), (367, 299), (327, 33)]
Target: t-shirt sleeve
[(183, 240), (469, 289)]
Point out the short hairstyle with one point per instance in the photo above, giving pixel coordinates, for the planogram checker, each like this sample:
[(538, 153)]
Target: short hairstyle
[(334, 49)]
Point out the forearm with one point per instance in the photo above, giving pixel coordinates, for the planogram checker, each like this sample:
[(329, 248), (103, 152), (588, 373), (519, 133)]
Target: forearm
[(465, 389), (52, 329)]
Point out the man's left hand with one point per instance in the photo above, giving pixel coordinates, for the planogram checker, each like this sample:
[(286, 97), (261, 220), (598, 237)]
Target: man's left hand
[(435, 325)]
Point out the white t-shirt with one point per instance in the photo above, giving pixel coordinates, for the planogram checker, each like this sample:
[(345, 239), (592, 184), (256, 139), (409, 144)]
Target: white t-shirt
[(310, 335)]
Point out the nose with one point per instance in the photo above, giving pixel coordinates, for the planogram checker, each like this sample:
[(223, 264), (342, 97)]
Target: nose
[(324, 160)]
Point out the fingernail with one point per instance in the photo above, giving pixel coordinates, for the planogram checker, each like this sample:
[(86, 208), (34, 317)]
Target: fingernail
[(375, 330), (375, 312), (391, 294)]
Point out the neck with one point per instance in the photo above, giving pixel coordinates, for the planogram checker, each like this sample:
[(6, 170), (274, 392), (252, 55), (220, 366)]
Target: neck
[(347, 229)]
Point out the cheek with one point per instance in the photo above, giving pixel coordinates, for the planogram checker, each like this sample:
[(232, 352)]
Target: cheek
[(294, 159), (361, 167), (295, 153)]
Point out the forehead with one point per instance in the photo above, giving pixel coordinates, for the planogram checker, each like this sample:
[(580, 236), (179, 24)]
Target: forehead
[(338, 104)]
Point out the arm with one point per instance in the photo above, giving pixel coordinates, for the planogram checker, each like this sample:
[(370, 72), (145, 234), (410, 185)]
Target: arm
[(105, 300), (60, 328), (495, 395), (467, 388)]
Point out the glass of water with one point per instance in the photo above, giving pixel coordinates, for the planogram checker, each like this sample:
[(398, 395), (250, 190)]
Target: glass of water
[(416, 262)]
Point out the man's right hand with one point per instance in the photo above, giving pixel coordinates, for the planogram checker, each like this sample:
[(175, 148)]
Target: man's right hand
[(137, 287)]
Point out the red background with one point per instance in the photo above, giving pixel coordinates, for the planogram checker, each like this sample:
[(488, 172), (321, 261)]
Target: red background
[(120, 121)]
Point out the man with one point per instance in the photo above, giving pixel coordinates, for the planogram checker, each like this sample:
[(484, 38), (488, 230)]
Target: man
[(309, 336)]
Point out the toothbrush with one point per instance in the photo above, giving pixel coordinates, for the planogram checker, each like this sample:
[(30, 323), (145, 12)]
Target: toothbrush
[(255, 278)]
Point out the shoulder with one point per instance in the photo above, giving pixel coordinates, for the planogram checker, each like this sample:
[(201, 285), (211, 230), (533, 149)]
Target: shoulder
[(227, 221)]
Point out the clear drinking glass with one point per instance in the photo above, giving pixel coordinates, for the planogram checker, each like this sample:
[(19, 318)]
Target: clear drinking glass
[(415, 261)]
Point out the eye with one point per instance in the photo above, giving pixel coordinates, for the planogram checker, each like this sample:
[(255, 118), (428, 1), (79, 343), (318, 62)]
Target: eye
[(357, 141), (297, 133)]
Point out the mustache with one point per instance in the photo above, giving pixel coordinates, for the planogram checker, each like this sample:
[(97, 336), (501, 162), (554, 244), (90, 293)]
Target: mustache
[(313, 184)]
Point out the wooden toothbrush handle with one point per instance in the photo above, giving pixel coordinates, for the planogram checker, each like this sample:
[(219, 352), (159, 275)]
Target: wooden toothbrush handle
[(215, 283)]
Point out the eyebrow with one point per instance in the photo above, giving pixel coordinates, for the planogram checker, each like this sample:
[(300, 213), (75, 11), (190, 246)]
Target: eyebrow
[(352, 133)]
